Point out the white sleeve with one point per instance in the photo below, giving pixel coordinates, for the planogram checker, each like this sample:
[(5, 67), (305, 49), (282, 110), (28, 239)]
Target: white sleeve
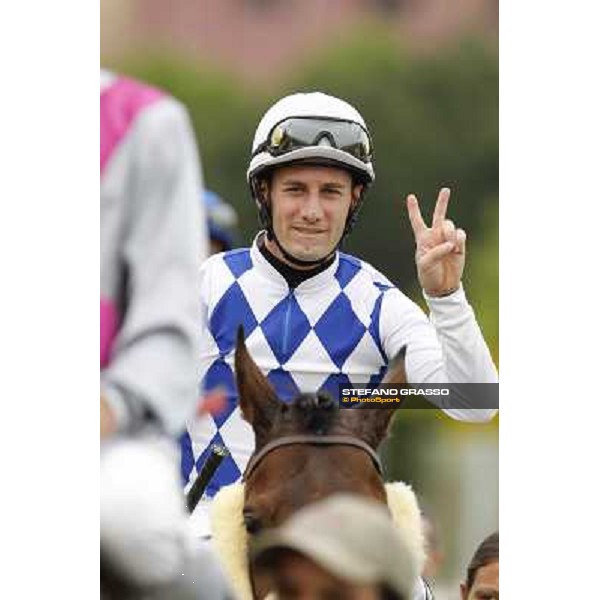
[(448, 348), (156, 352), (209, 351)]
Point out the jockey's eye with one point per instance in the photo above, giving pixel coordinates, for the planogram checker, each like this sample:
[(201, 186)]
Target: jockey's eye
[(251, 522)]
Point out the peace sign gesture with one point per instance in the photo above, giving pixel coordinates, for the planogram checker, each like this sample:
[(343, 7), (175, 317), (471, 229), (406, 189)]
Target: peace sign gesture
[(440, 253)]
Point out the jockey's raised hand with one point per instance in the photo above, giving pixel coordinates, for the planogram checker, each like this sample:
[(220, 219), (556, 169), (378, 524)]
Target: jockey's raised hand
[(440, 249)]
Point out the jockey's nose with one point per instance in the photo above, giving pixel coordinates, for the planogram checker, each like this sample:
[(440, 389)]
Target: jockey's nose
[(312, 210)]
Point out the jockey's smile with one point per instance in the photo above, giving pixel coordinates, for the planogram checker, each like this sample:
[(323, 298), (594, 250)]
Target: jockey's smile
[(310, 205)]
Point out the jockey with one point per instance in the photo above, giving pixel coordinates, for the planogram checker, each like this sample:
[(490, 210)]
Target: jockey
[(149, 169), (314, 317), (150, 219)]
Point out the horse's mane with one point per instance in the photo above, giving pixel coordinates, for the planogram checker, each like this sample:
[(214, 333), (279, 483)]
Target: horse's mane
[(314, 413)]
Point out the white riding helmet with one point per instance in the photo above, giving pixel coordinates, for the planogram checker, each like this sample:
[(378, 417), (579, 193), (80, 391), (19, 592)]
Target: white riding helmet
[(273, 146), (310, 128)]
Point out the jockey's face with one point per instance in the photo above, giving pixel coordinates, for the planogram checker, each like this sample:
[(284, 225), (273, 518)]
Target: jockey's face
[(309, 207)]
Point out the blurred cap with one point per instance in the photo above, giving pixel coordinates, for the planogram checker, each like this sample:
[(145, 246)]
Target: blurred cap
[(351, 537), (222, 219)]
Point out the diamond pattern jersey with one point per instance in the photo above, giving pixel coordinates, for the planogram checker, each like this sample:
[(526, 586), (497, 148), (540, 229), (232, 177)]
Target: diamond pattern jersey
[(338, 327), (321, 334)]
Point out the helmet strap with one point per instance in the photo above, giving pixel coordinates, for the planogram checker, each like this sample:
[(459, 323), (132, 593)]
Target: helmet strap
[(353, 215)]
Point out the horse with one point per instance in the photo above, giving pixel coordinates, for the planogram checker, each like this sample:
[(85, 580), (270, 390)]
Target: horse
[(305, 451)]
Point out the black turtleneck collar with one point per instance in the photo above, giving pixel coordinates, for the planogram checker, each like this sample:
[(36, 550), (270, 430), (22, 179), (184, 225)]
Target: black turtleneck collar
[(294, 277)]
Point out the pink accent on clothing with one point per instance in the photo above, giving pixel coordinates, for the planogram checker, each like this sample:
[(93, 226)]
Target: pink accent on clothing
[(109, 325), (120, 103)]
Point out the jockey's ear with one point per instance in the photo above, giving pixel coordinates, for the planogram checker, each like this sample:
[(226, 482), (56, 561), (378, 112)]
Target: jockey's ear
[(464, 592), (258, 401), (264, 188), (356, 192)]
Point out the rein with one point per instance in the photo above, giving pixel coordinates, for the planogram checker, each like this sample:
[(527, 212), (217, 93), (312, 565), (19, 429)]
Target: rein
[(317, 440)]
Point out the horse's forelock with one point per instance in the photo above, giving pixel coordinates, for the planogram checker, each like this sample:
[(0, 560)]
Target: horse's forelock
[(314, 413)]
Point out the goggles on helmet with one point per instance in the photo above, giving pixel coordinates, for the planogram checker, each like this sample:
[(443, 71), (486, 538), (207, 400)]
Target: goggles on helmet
[(301, 132)]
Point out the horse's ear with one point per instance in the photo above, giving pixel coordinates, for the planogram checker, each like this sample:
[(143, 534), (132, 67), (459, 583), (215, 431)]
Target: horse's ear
[(372, 424), (369, 424), (258, 401)]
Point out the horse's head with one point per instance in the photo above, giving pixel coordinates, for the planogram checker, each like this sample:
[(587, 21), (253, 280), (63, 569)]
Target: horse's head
[(308, 449)]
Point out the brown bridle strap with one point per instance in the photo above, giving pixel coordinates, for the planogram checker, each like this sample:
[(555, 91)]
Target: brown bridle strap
[(318, 440)]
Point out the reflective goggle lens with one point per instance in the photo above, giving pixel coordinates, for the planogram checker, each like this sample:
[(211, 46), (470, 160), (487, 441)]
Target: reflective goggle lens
[(296, 133)]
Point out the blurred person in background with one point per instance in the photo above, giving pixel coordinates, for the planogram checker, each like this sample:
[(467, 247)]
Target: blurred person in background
[(222, 222), (149, 347), (483, 573), (315, 318), (343, 547)]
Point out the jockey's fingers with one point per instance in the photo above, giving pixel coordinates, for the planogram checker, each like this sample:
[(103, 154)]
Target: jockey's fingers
[(435, 254), (461, 242), (441, 206), (414, 215), (449, 231)]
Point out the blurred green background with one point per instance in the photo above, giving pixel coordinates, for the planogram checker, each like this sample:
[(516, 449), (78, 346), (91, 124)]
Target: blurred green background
[(433, 116)]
